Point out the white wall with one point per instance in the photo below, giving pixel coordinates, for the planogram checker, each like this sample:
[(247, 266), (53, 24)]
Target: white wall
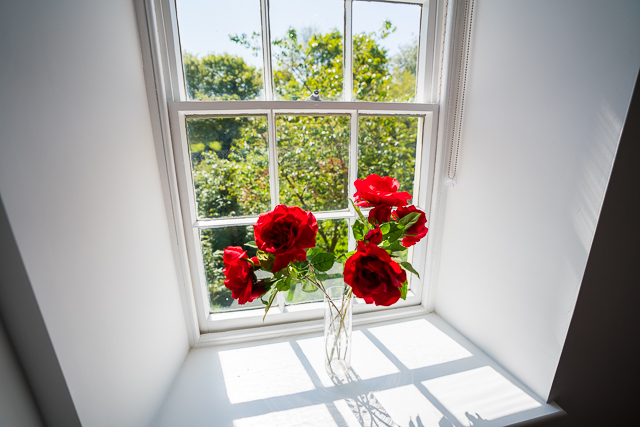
[(80, 183), (549, 86), (17, 407)]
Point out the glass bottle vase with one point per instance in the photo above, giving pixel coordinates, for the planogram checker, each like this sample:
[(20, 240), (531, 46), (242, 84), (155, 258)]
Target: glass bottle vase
[(338, 313)]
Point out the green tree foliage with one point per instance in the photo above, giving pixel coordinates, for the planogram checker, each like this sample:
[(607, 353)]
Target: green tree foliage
[(221, 77), (230, 155)]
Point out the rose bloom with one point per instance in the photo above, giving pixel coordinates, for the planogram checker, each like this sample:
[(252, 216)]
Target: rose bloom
[(374, 236), (286, 232), (373, 275), (381, 193), (417, 230), (375, 190), (240, 279)]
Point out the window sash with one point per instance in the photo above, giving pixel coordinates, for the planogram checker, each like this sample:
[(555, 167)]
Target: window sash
[(423, 179), (171, 94), (428, 57)]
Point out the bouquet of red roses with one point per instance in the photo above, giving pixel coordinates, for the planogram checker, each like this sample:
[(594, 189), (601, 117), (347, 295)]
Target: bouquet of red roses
[(286, 243)]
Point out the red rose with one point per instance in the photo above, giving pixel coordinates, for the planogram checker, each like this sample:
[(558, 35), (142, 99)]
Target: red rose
[(373, 275), (286, 232), (375, 190), (374, 236), (240, 279), (417, 230), (381, 213)]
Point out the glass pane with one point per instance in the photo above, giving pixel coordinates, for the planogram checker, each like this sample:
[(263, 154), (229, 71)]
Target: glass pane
[(213, 241), (387, 147), (229, 159), (221, 48), (313, 161), (385, 50), (307, 48), (332, 237)]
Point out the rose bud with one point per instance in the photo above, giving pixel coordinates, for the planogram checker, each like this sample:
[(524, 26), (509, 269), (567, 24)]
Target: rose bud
[(417, 231), (373, 275), (286, 232), (380, 214), (374, 236), (240, 279)]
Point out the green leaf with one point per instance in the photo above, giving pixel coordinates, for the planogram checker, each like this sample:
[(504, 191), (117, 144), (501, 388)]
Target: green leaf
[(410, 219), (394, 235), (344, 257), (251, 244), (358, 230), (266, 260), (321, 276), (313, 252), (407, 266), (385, 228), (323, 261), (403, 291), (394, 247)]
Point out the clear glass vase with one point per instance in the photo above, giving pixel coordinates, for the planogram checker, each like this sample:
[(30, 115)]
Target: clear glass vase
[(337, 330)]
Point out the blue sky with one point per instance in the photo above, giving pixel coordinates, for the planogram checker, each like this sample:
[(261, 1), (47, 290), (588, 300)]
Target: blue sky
[(205, 25)]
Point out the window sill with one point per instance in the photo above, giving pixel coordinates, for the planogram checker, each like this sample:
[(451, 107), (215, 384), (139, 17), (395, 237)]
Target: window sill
[(416, 371), (248, 325)]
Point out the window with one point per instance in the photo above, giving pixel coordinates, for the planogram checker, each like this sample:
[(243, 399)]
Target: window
[(248, 131)]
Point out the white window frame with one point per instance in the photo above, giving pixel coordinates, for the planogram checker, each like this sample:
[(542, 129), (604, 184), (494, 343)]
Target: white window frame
[(163, 55)]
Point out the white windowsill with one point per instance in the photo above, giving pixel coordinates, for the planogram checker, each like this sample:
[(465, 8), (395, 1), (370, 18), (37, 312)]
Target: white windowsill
[(416, 371)]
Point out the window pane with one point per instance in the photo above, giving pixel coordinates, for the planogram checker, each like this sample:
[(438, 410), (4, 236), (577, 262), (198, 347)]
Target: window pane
[(385, 50), (214, 241), (307, 48), (229, 159), (387, 147), (313, 161), (332, 237), (221, 48)]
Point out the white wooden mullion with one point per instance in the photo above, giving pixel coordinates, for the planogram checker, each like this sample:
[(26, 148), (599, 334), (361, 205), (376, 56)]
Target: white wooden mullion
[(220, 107), (273, 161), (423, 89), (347, 70), (267, 76), (353, 173)]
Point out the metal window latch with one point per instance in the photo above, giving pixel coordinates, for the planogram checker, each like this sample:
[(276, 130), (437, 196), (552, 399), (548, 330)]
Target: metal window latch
[(315, 96)]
